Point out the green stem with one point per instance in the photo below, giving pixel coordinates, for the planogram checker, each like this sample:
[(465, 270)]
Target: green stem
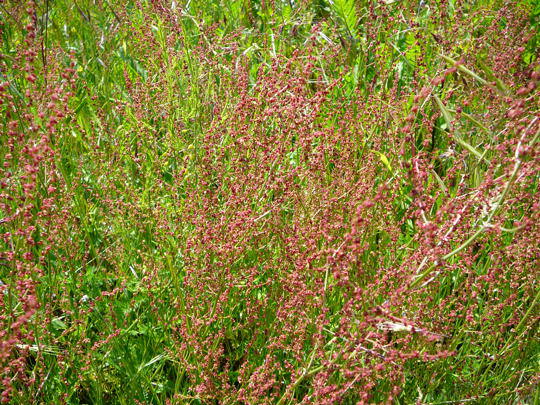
[(297, 382)]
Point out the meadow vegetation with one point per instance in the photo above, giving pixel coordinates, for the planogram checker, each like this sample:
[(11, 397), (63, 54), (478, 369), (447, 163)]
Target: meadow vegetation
[(269, 201)]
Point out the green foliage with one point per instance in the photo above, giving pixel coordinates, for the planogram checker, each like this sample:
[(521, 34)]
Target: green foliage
[(346, 11)]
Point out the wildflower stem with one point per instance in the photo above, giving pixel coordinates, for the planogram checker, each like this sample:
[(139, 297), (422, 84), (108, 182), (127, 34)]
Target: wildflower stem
[(493, 211)]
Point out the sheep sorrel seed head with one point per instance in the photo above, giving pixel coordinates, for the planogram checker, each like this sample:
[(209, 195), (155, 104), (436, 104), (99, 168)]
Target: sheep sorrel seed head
[(271, 202)]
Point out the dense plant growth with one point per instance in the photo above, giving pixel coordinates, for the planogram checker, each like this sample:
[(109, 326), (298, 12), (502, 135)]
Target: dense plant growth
[(269, 202)]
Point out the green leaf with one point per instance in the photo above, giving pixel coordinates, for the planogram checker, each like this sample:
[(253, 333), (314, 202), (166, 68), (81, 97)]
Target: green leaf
[(58, 324), (346, 11), (384, 159)]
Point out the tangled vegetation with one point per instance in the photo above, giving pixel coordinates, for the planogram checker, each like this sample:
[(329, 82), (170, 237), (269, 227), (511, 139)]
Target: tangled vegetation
[(269, 201)]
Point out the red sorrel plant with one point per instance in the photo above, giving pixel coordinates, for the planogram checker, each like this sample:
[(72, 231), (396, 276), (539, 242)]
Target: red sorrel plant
[(35, 91), (323, 202)]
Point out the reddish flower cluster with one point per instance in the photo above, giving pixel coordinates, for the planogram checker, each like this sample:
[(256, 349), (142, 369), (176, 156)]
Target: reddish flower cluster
[(30, 190)]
